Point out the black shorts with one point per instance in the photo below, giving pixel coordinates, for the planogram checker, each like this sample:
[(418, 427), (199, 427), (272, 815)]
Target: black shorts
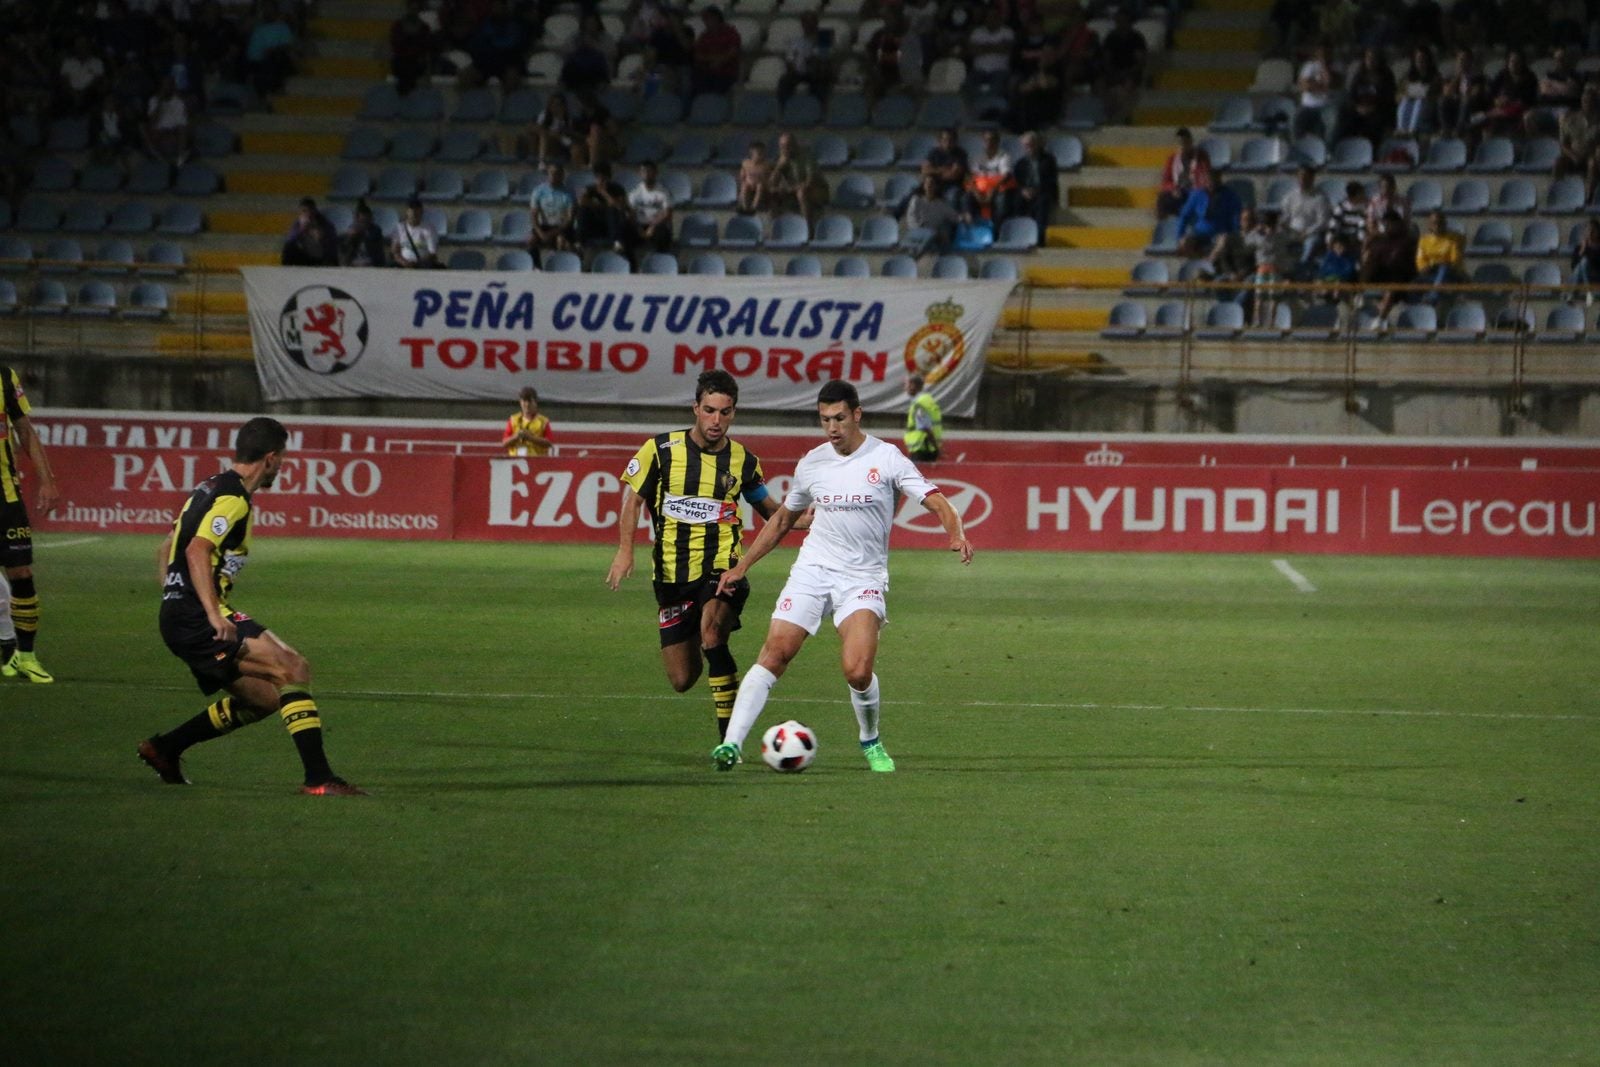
[(214, 664), (16, 535), (681, 602)]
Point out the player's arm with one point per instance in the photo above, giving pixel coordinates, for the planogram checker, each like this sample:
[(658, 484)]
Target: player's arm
[(162, 557), (781, 522), (768, 507), (936, 503), (511, 434), (29, 439), (198, 557), (627, 524)]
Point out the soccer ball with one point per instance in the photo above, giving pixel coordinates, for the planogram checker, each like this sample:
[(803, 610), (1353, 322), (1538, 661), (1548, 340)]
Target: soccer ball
[(789, 747)]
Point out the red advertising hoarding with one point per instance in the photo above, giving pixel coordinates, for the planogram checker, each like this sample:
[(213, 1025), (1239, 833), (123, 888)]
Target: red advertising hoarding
[(360, 479)]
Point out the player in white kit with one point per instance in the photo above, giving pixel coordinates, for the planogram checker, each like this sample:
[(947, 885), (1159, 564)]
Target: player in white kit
[(843, 566)]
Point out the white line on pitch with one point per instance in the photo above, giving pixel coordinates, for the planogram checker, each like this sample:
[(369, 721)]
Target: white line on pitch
[(69, 542), (1300, 581), (1195, 709)]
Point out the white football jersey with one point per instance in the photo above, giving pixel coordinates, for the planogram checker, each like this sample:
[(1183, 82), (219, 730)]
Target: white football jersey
[(854, 497)]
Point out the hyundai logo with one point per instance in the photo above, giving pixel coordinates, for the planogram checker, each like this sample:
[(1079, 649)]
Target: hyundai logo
[(970, 502)]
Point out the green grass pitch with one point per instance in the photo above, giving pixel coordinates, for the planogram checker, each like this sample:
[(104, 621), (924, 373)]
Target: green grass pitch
[(1150, 810)]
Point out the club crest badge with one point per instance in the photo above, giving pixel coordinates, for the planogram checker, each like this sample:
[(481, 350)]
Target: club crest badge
[(937, 349)]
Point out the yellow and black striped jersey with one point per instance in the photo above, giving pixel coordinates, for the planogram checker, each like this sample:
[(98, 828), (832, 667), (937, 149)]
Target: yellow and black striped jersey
[(15, 407), (218, 511), (693, 497)]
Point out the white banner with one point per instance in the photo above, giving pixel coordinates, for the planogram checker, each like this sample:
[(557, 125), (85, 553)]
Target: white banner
[(608, 338)]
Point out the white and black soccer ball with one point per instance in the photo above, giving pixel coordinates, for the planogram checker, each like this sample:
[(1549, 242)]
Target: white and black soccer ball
[(789, 747)]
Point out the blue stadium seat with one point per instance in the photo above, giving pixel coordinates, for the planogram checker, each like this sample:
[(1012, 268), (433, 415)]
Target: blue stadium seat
[(896, 188), (731, 148), (1148, 276), (49, 297), (488, 187), (1495, 155), (855, 192), (676, 183), (1446, 155), (757, 265), (466, 259), (642, 146), (1564, 197), (149, 177), (196, 179), (349, 183), (1415, 323), (708, 263), (53, 175), (1563, 325), (914, 152), (10, 301), (851, 267), (951, 267), (1308, 150), (213, 140), (380, 104), (875, 151), (473, 106), (689, 150), (697, 230), (830, 151), (1000, 268), (37, 215), (1276, 329), (395, 183), (834, 233), (1425, 195), (411, 146), (1274, 115), (1539, 156), (801, 111), (1469, 197), (1318, 322), (758, 109), (1352, 155), (84, 217), (718, 189), (845, 111), (364, 144), (1233, 115), (803, 266), (113, 257), (1464, 322), (459, 146), (1083, 113), (100, 178), (561, 262), (788, 231), (896, 111), (741, 231), (662, 111), (165, 257), (521, 106), (1169, 323), (147, 300), (1068, 151), (443, 185), (340, 215), (1258, 155), (1224, 320), (708, 110), (660, 263), (62, 255), (1516, 197), (1492, 238), (1163, 239), (1539, 238), (1018, 234), (1397, 155), (879, 233), (898, 267), (1494, 273), (472, 226), (132, 217), (1544, 277), (422, 104), (514, 259), (609, 262), (1277, 189), (1126, 323), (516, 228), (1219, 151)]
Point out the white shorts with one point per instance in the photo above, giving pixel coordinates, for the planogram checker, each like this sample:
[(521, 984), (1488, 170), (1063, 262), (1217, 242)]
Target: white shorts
[(811, 592)]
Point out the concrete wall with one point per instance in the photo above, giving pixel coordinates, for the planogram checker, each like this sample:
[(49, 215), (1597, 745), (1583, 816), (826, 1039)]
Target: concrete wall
[(1007, 401)]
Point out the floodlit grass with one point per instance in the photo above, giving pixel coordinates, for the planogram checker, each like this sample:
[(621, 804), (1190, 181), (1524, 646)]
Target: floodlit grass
[(1150, 809)]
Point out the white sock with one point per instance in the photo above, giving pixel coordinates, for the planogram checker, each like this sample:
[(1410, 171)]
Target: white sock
[(866, 704), (8, 632), (753, 692)]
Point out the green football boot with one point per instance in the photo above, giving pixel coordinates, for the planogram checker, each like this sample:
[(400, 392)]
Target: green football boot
[(724, 756), (877, 758)]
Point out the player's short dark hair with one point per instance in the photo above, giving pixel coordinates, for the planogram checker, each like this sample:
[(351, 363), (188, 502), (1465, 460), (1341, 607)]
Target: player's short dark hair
[(258, 437), (716, 381), (839, 390), (529, 393)]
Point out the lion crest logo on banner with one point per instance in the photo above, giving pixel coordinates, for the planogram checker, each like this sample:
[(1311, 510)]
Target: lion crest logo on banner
[(937, 349), (323, 329)]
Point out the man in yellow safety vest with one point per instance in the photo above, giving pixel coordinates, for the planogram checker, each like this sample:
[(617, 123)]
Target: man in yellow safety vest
[(924, 422)]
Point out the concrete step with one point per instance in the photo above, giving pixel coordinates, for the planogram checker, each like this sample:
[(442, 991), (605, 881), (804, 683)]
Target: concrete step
[(1132, 195), (1214, 59), (365, 30), (1218, 38), (1128, 238), (1233, 80), (331, 63)]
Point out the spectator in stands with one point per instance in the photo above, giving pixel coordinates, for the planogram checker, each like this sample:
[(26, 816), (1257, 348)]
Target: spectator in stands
[(1126, 54), (1338, 266), (754, 174), (498, 46), (1439, 256), (987, 50), (1305, 214), (1349, 218), (109, 133), (187, 71), (1560, 90), (1186, 169), (552, 215), (1580, 142), (603, 214), (554, 135), (1389, 258), (1385, 200), (928, 210), (1038, 181), (269, 51), (1369, 100), (1233, 259), (671, 53), (1586, 262), (1206, 215), (947, 162), (808, 60), (414, 244), (1277, 256), (795, 184), (587, 67), (412, 47), (1463, 97), (715, 65), (651, 205), (166, 125), (1418, 105), (1315, 83), (312, 240), (1037, 97), (992, 185), (83, 76), (362, 245), (602, 134), (1514, 92), (883, 54)]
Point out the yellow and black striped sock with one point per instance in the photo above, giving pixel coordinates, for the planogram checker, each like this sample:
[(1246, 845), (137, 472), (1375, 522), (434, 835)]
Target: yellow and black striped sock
[(25, 612), (300, 718), (724, 679)]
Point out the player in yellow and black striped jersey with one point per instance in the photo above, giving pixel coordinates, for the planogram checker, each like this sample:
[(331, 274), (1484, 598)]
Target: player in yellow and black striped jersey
[(692, 481), (16, 549), (224, 648)]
